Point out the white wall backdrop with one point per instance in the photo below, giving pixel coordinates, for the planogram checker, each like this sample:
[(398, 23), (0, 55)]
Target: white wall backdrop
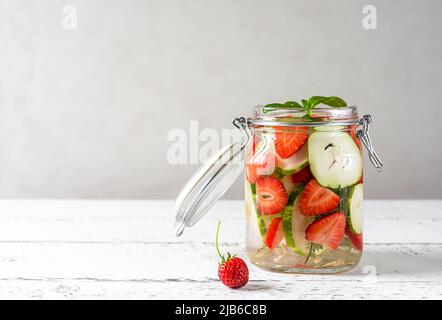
[(86, 112)]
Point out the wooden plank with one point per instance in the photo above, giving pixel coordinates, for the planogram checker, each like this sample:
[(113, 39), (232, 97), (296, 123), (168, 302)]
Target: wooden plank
[(195, 262), (211, 289), (126, 249), (152, 221)]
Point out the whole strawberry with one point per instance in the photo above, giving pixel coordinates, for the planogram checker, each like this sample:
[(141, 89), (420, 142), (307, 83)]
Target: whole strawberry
[(233, 271)]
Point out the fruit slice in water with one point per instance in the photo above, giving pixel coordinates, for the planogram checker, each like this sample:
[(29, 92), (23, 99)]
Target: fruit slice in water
[(356, 212), (356, 239), (251, 210), (294, 225), (302, 176), (274, 233), (296, 162), (289, 140), (261, 162), (335, 159), (317, 200), (270, 195), (352, 130), (328, 231)]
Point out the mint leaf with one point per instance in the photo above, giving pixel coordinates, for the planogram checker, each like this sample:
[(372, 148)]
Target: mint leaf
[(285, 105), (309, 117), (307, 105), (292, 104), (269, 107), (273, 105), (330, 101)]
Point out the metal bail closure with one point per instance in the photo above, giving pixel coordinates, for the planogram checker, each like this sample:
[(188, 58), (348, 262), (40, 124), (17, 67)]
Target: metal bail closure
[(364, 136), (211, 181)]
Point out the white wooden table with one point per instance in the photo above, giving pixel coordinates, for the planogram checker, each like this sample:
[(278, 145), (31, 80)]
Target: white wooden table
[(72, 249)]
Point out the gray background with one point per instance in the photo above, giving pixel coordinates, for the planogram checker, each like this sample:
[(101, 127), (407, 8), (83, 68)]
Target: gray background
[(85, 113)]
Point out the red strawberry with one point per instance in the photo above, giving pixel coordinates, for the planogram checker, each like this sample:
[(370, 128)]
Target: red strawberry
[(328, 231), (302, 176), (316, 199), (271, 195), (352, 130), (233, 271), (250, 173), (356, 239), (262, 163), (289, 140), (274, 234)]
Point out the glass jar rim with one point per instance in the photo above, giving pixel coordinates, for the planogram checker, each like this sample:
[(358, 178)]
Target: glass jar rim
[(319, 116)]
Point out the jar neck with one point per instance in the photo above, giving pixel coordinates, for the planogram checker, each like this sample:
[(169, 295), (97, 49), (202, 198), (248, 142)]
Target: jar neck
[(269, 116)]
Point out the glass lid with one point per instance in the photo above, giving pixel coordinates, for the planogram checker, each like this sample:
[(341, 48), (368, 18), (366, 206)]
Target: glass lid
[(209, 183)]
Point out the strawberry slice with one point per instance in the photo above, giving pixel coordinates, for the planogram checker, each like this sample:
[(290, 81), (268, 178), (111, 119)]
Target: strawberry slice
[(352, 130), (316, 199), (271, 196), (356, 239), (289, 140), (303, 176), (261, 163), (274, 234), (328, 231)]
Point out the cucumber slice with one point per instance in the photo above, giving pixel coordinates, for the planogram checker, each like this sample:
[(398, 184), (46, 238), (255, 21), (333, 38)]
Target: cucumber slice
[(292, 164), (356, 212), (335, 159), (294, 225), (252, 211)]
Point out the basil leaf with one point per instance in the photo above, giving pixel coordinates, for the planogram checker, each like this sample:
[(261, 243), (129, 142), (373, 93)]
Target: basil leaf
[(293, 104), (269, 107), (273, 105), (286, 105), (309, 117), (335, 102), (308, 105)]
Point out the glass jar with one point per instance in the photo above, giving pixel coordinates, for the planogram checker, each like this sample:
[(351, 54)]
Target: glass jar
[(304, 190), (303, 187)]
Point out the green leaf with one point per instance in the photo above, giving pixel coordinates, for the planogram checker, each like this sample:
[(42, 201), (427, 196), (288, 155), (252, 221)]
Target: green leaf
[(305, 103), (273, 105), (269, 107), (335, 102), (293, 104), (309, 117), (313, 252), (285, 105)]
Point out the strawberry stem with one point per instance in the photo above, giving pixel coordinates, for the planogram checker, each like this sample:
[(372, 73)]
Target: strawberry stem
[(216, 241)]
